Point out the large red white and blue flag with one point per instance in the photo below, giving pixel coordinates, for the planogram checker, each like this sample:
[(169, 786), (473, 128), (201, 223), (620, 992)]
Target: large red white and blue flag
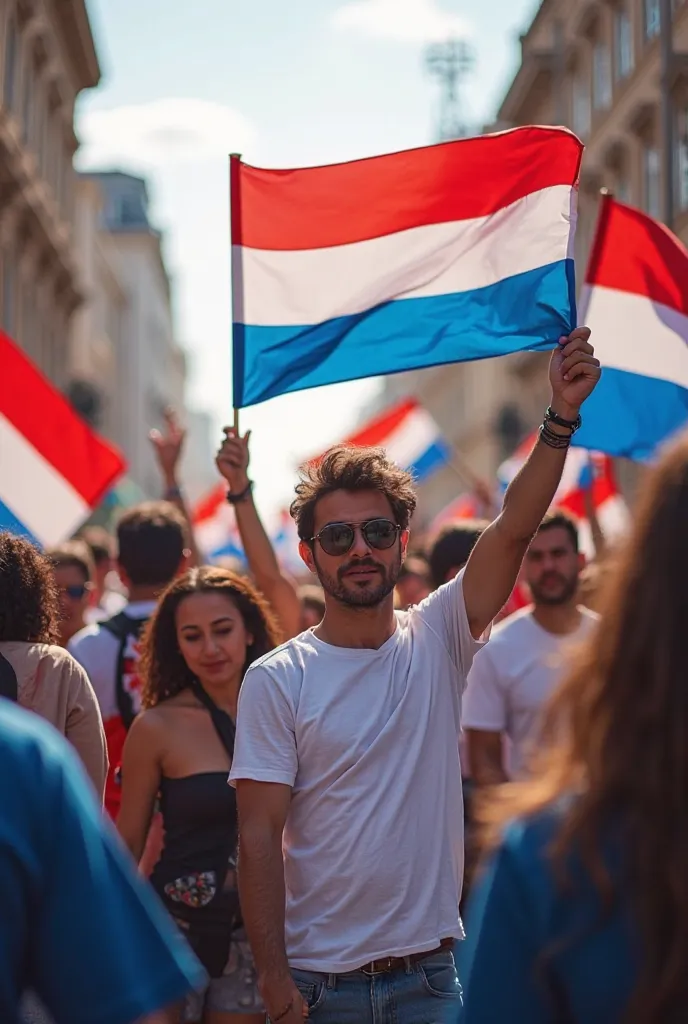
[(54, 469), (635, 301), (447, 253), (409, 435)]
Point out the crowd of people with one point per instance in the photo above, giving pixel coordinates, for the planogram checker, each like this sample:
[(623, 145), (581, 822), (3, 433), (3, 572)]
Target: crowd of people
[(278, 796)]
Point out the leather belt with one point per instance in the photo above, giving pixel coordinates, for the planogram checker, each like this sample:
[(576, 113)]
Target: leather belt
[(396, 963)]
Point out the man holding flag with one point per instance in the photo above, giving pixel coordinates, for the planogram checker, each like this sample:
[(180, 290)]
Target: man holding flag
[(346, 761)]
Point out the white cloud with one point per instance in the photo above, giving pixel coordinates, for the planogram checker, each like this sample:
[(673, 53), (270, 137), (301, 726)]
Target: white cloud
[(162, 133), (407, 21)]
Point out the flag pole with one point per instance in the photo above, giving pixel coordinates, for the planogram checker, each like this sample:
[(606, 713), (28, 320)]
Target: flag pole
[(236, 268), (461, 469)]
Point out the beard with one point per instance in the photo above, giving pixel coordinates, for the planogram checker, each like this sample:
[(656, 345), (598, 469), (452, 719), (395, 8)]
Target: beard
[(368, 594), (568, 585)]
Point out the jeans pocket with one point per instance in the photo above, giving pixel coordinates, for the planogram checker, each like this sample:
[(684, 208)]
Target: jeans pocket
[(440, 977), (312, 989)]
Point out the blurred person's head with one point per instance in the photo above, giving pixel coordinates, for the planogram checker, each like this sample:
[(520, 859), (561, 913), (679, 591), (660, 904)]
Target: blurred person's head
[(209, 626), (553, 561), (413, 585), (592, 582), (450, 550), (73, 573), (29, 608), (615, 738), (312, 605), (102, 548), (151, 548), (352, 511)]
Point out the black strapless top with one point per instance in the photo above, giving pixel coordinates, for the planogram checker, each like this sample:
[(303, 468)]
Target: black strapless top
[(199, 816)]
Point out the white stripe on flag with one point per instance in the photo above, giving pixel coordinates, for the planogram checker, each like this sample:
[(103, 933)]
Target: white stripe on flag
[(633, 333), (309, 286), (34, 491), (412, 438)]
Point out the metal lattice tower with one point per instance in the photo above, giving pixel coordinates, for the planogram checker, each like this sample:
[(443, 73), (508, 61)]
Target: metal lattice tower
[(450, 61)]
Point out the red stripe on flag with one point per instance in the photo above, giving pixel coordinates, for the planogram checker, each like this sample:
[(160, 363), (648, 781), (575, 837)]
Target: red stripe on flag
[(636, 254), (320, 207), (377, 431), (207, 506), (41, 414)]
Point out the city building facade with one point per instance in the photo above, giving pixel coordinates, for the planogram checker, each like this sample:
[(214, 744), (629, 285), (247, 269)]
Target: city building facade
[(47, 57), (125, 365), (594, 66)]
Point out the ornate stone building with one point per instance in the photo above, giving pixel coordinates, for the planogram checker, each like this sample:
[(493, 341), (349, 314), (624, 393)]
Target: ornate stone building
[(47, 57)]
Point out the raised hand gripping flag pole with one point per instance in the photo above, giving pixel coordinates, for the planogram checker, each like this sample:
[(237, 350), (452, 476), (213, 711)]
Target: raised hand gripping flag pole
[(452, 252)]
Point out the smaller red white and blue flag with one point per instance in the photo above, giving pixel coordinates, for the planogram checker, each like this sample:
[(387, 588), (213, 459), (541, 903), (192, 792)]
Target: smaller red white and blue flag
[(410, 437), (582, 470), (54, 469)]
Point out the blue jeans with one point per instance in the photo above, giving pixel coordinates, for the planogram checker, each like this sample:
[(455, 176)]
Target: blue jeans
[(425, 992)]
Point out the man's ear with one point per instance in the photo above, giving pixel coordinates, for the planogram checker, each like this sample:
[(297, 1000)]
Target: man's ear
[(306, 552)]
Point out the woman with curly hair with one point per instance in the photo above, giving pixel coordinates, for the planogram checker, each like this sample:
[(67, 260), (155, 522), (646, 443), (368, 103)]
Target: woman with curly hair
[(209, 626), (38, 674), (582, 915)]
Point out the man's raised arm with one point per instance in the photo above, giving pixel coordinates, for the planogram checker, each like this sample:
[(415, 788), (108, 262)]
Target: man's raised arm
[(493, 566)]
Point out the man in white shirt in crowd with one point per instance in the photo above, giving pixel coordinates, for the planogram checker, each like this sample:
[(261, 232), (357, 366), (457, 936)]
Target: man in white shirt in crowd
[(346, 761), (511, 679), (152, 543)]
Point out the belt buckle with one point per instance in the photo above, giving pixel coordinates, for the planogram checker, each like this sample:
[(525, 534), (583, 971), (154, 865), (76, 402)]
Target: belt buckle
[(375, 967)]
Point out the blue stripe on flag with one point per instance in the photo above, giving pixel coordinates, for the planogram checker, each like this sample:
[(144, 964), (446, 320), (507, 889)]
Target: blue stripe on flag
[(629, 415), (524, 312), (9, 522), (433, 458)]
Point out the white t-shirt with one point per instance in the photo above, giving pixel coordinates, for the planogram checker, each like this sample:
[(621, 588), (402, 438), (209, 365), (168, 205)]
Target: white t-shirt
[(512, 678), (97, 649), (368, 741)]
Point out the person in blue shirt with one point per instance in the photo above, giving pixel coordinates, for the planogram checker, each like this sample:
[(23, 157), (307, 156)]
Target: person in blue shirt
[(581, 914), (77, 925)]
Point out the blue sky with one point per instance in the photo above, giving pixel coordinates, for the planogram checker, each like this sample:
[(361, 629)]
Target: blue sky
[(286, 84)]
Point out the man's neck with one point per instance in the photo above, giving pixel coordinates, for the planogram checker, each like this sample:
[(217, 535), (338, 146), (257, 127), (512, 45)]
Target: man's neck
[(558, 619), (343, 626), (139, 593)]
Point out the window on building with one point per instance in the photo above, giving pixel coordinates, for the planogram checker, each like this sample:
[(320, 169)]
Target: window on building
[(652, 193), (10, 63), (651, 18), (623, 43), (27, 112), (601, 77), (8, 297), (681, 160), (581, 105), (622, 190)]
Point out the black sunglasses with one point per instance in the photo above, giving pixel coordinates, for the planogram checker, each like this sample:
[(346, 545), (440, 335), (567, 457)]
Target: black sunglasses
[(338, 538), (77, 591)]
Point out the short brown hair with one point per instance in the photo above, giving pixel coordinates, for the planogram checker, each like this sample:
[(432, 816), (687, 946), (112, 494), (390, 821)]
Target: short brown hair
[(151, 539), (452, 546), (346, 468), (559, 518), (100, 543), (74, 554)]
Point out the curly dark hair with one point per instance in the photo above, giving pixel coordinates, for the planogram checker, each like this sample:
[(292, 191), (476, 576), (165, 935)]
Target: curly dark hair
[(164, 672), (350, 468), (29, 610)]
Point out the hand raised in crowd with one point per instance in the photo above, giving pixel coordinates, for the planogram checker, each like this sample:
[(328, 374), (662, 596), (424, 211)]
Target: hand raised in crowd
[(233, 459), (573, 372), (168, 445)]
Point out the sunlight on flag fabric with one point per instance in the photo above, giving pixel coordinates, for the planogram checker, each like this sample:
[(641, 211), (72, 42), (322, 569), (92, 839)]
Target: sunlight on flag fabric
[(54, 469), (452, 252)]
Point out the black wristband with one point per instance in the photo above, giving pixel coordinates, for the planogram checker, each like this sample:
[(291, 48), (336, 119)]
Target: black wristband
[(236, 499), (553, 417), (553, 440)]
